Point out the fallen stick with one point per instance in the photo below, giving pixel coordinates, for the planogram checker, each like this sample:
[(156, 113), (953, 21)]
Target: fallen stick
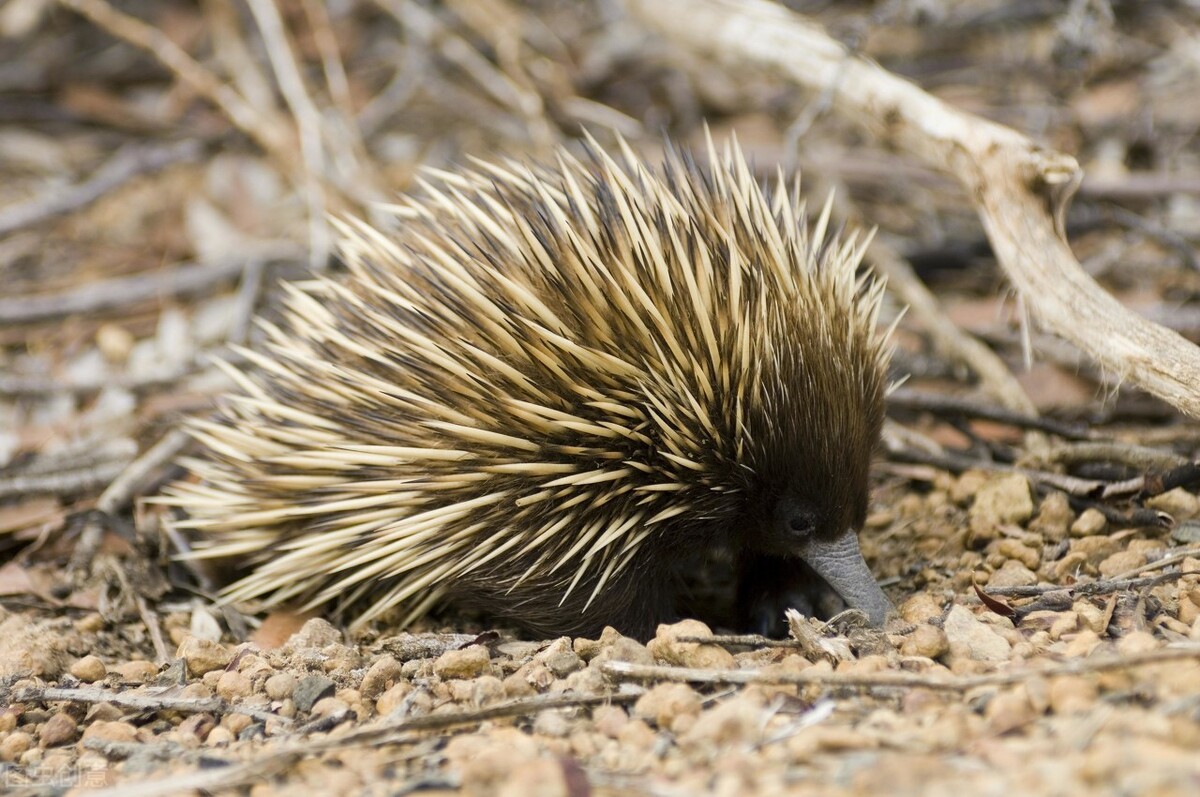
[(1020, 188)]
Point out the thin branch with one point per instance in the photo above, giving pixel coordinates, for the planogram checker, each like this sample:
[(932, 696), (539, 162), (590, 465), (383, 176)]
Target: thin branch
[(106, 295), (144, 702), (268, 131), (128, 163), (1020, 189), (626, 671)]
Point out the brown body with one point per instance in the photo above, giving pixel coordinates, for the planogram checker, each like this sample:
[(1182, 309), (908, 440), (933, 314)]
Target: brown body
[(544, 393)]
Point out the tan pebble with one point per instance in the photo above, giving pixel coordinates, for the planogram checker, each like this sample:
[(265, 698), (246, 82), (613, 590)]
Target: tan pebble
[(586, 682), (1096, 549), (14, 745), (537, 675), (329, 707), (636, 733), (1054, 517), (667, 648), (89, 669), (1008, 711), (736, 721), (31, 758), (1071, 563), (381, 676), (233, 685), (925, 640), (59, 729), (8, 721), (1015, 549), (1090, 615), (489, 762), (585, 648), (203, 656), (880, 519), (197, 691), (551, 723), (198, 725), (664, 702), (280, 685), (1189, 607), (220, 737), (1151, 549), (969, 638), (1089, 523), (920, 608), (516, 685), (388, 701), (114, 342), (1012, 574), (136, 672), (560, 658), (1178, 503), (315, 633), (1137, 642), (114, 731), (90, 623), (834, 739), (236, 722), (1067, 623), (1001, 500), (1121, 562), (910, 506), (1072, 695), (616, 647), (584, 745), (466, 663), (609, 720), (487, 690), (542, 777), (967, 485), (1082, 645)]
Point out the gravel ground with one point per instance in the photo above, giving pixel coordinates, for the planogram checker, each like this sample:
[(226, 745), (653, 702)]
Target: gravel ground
[(1085, 689)]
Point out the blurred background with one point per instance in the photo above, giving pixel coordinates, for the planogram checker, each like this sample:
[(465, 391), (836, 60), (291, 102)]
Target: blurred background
[(165, 163)]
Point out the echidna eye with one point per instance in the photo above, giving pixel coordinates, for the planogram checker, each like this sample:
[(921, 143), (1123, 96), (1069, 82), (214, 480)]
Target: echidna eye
[(795, 519), (802, 523)]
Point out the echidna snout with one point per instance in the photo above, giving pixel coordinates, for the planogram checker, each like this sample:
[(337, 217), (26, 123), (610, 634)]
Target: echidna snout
[(547, 393)]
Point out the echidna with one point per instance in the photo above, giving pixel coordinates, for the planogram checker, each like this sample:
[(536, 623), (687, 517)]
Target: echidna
[(547, 391)]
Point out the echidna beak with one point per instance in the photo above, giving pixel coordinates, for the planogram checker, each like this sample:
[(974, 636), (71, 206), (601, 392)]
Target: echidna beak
[(840, 562)]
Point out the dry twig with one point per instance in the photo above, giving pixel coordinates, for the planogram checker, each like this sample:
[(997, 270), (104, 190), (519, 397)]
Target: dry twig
[(1020, 188), (627, 671)]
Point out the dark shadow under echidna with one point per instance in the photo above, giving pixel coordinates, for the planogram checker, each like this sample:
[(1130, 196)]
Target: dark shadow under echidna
[(546, 392)]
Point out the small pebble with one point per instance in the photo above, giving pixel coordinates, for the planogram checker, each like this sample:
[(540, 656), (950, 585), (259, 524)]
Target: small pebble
[(59, 729), (664, 702), (1001, 500), (280, 685), (381, 676), (1121, 562), (14, 745), (310, 689), (469, 662), (110, 731), (969, 638), (136, 672), (89, 669), (925, 640), (1178, 503), (234, 685), (203, 656), (1091, 522), (667, 648)]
